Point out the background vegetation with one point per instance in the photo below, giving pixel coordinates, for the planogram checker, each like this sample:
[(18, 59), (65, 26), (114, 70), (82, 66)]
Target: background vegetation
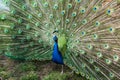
[(47, 70)]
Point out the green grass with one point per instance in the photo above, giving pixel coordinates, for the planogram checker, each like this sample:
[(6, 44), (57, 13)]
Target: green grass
[(5, 74), (46, 70), (56, 76), (24, 67), (30, 76), (65, 76)]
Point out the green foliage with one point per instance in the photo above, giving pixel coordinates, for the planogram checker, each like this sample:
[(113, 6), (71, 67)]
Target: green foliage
[(31, 76), (5, 75), (56, 76), (23, 67), (2, 69), (12, 78)]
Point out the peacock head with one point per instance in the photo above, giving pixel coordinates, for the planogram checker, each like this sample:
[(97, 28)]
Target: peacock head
[(54, 36)]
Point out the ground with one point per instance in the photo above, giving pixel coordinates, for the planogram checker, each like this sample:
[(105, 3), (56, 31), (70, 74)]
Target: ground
[(35, 70)]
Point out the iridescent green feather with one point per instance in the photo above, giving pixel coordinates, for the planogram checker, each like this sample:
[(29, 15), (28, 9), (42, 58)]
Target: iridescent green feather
[(62, 43)]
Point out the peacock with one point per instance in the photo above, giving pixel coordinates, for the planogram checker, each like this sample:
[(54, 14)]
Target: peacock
[(81, 34)]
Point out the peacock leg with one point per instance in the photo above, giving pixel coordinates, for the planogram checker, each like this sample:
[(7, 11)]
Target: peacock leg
[(62, 70)]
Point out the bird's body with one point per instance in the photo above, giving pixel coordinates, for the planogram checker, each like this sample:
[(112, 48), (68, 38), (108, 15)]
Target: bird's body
[(88, 34), (57, 55)]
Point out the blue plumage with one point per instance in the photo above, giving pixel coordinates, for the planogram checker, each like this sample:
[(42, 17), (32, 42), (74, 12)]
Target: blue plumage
[(56, 56)]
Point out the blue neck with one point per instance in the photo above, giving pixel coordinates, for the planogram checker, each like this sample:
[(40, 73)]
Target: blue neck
[(57, 56)]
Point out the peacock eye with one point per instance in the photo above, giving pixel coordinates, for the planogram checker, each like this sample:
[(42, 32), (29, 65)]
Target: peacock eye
[(108, 61), (109, 11), (78, 1), (67, 20), (55, 6), (63, 12), (34, 4), (13, 11), (24, 7), (82, 10), (87, 77), (7, 2), (30, 16), (37, 24), (84, 21), (82, 51), (36, 34), (97, 23), (82, 74), (97, 69), (20, 31), (46, 4), (74, 14), (90, 47), (83, 33), (91, 61), (99, 55), (51, 16), (111, 75), (69, 6), (95, 8), (3, 17), (112, 30), (6, 30), (58, 21), (95, 36), (28, 27), (116, 58), (74, 25), (47, 25), (40, 15), (20, 20), (106, 46)]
